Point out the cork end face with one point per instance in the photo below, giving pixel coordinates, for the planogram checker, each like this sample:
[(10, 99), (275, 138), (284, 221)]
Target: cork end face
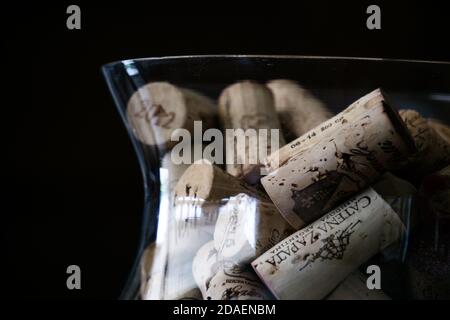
[(418, 128), (154, 111), (398, 124), (196, 182), (239, 96), (286, 88)]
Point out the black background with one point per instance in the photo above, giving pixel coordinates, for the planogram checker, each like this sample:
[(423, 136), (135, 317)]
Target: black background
[(75, 194)]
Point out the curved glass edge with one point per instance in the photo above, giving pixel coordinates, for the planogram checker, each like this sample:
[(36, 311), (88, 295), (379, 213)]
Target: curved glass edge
[(150, 176), (262, 56), (130, 290)]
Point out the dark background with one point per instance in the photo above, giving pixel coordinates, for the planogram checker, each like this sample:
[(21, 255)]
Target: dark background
[(74, 188)]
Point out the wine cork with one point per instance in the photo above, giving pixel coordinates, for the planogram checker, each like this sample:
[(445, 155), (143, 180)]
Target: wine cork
[(248, 105), (432, 140), (355, 111), (205, 182), (157, 109), (354, 287), (198, 194), (310, 263), (236, 284), (340, 164), (247, 227), (191, 226), (205, 265), (298, 109)]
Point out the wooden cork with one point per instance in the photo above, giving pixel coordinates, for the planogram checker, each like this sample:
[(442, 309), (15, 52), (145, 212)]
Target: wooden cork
[(204, 181), (236, 284), (199, 192), (247, 227), (298, 109), (355, 111), (432, 140), (310, 263), (248, 105), (205, 265), (186, 237), (354, 287), (157, 109), (340, 162)]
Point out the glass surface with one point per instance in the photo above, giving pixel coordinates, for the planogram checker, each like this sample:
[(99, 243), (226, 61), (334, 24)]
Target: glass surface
[(337, 82)]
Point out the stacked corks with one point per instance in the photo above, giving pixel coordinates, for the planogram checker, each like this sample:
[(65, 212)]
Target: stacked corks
[(296, 223)]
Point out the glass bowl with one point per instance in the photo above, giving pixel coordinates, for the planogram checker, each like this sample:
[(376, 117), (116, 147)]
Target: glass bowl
[(337, 82)]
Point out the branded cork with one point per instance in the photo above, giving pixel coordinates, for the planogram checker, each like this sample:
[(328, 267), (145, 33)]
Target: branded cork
[(298, 109), (204, 181), (432, 140), (236, 284), (207, 263), (246, 227), (310, 263), (157, 109), (198, 195), (186, 237), (340, 162), (248, 105), (152, 273)]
